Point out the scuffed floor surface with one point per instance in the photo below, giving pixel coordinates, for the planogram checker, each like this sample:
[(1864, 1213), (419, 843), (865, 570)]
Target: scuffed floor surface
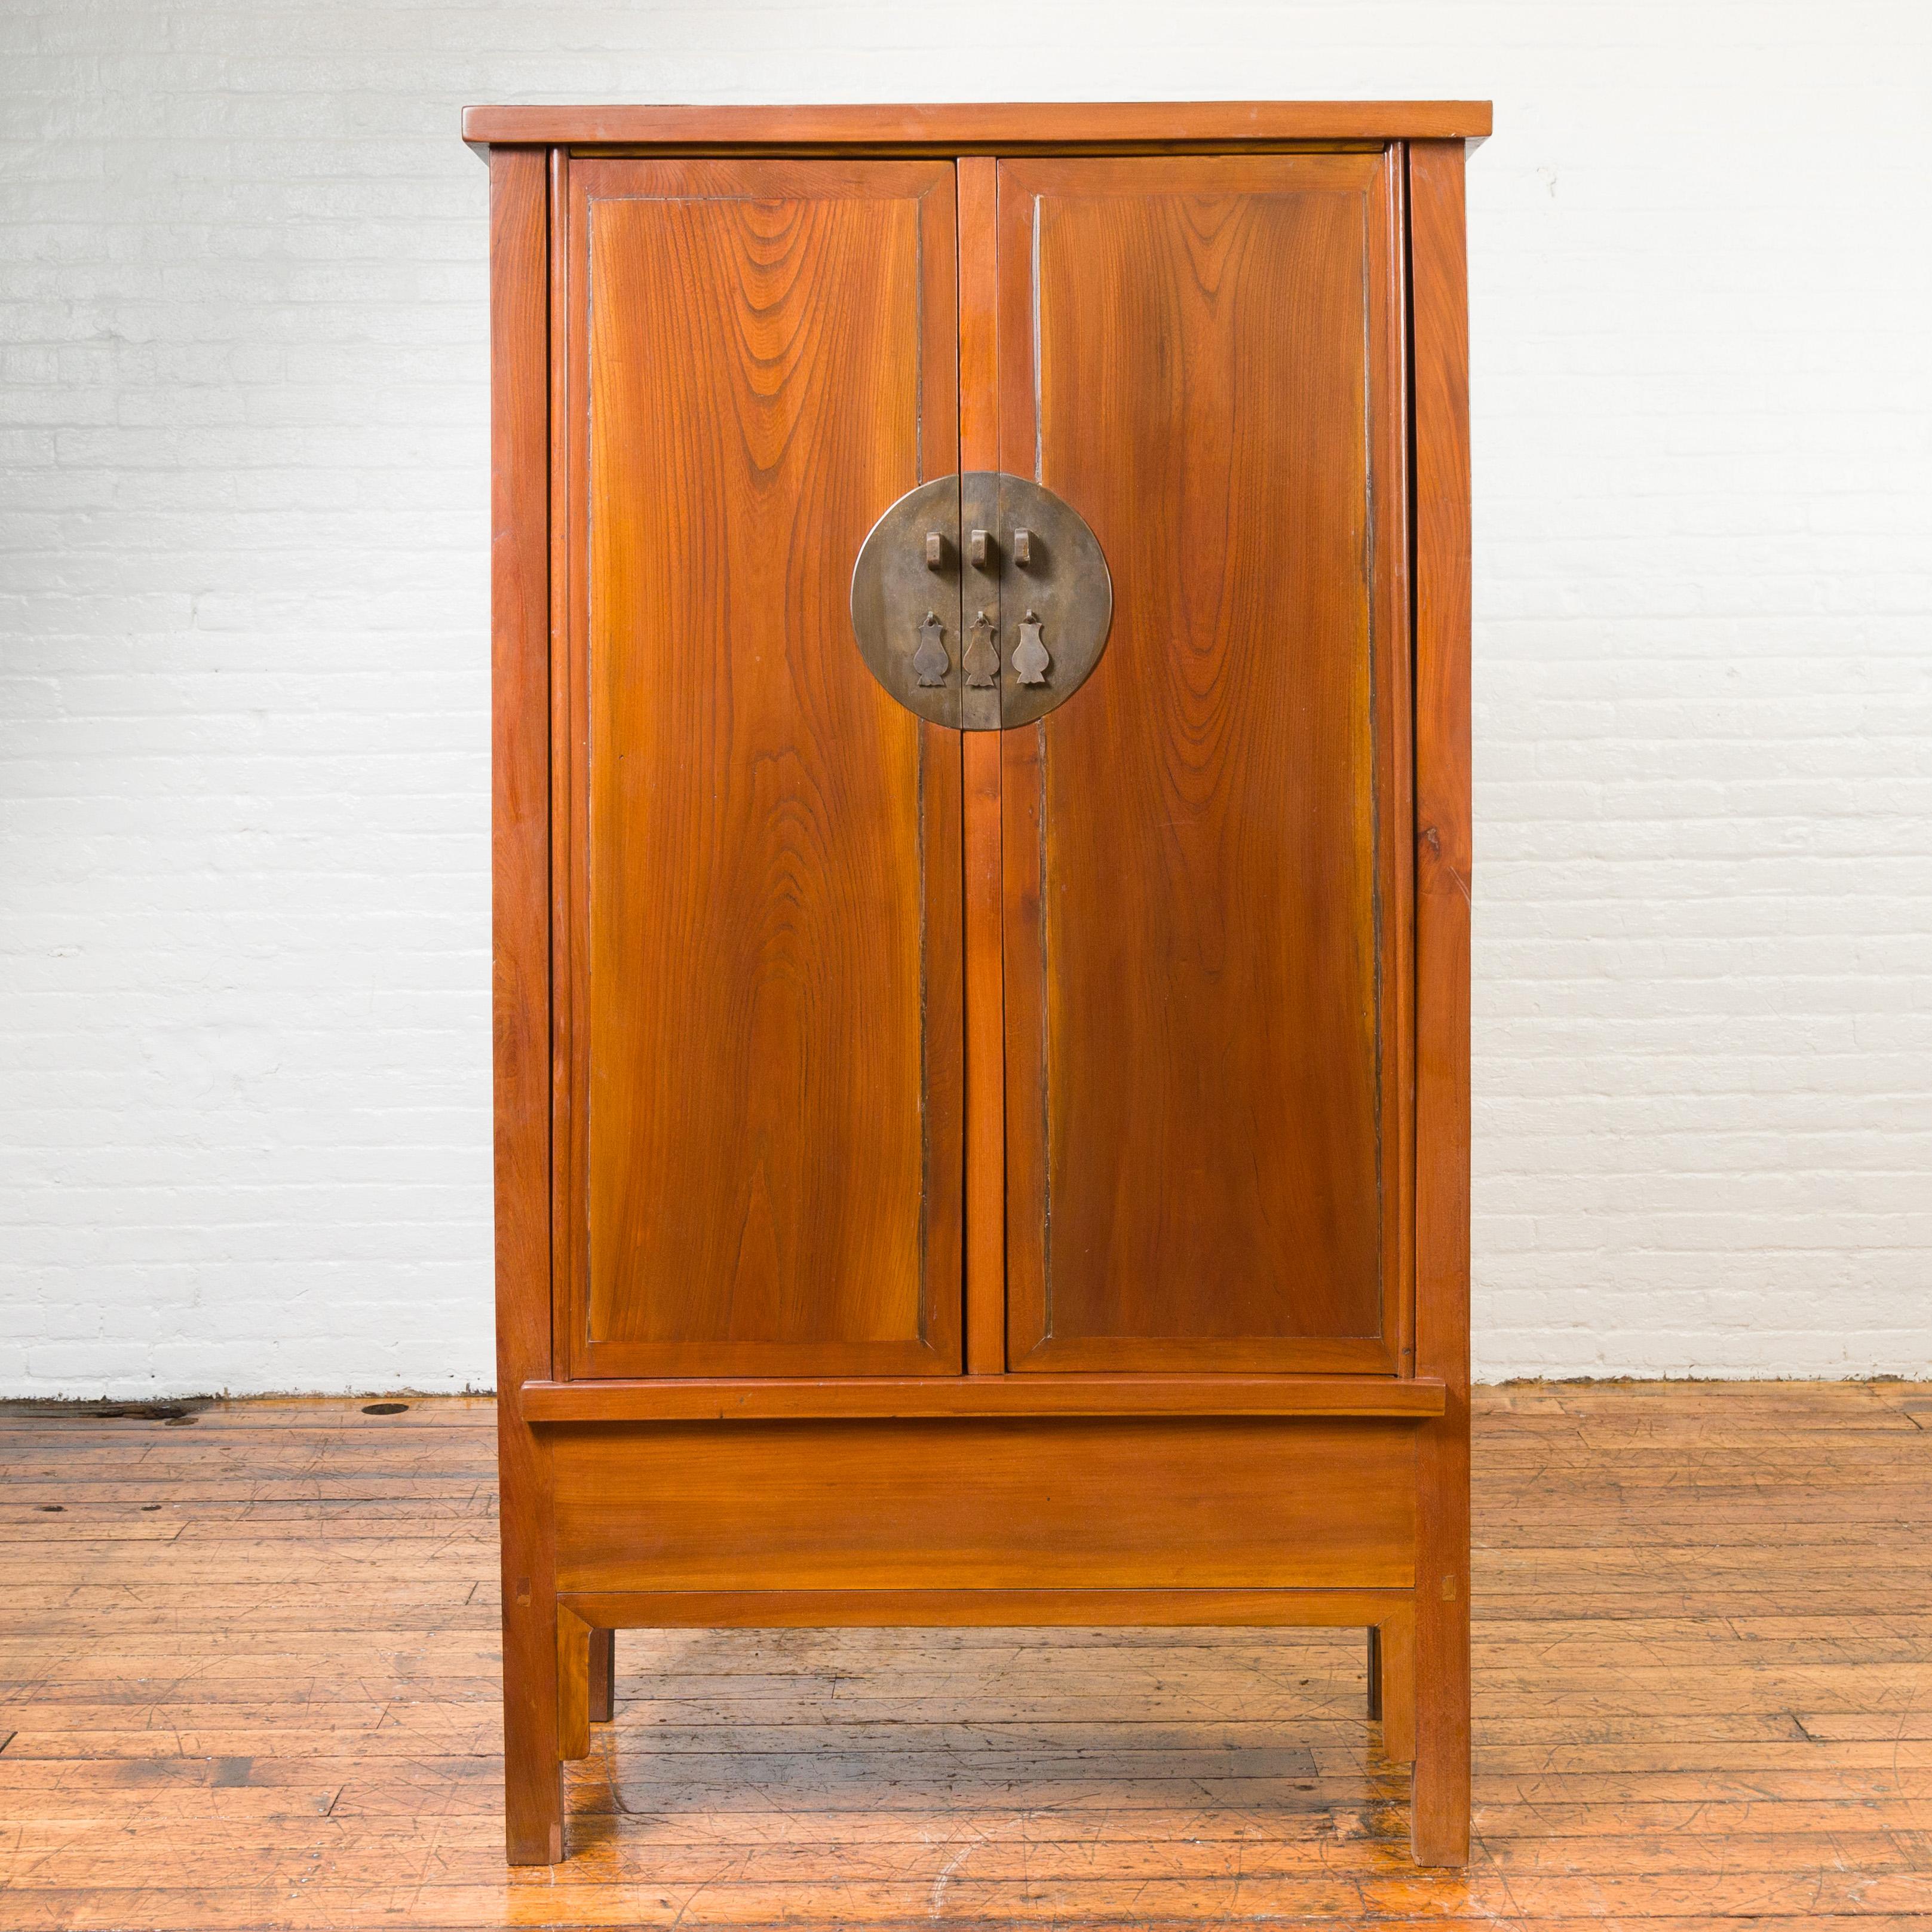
[(250, 1668)]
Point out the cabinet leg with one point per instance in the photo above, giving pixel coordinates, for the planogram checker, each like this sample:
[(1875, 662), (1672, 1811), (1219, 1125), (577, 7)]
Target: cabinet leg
[(1397, 1650), (1392, 1687), (1439, 1800), (532, 1765), (575, 1640), (603, 1675), (1439, 1803)]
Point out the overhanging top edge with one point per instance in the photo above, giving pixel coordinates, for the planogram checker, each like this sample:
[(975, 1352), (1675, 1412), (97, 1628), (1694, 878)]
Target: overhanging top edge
[(980, 125)]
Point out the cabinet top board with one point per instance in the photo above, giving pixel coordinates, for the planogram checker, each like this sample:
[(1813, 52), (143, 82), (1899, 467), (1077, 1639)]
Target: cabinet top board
[(1005, 126)]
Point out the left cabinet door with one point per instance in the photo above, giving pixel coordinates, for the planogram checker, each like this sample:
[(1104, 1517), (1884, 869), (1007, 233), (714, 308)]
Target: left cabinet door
[(759, 1025)]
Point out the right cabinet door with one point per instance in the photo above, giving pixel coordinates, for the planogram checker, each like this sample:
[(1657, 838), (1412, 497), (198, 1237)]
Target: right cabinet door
[(1206, 850)]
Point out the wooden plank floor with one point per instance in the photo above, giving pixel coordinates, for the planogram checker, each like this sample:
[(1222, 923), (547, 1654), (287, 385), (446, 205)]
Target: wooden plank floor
[(250, 1665)]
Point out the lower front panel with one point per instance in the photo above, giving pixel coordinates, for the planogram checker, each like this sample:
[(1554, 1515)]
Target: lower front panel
[(981, 1504)]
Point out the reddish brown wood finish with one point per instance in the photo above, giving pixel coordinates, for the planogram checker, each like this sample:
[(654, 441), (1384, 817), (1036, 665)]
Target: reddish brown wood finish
[(968, 1503), (1201, 972), (1440, 1816), (1002, 126), (848, 1471), (520, 842), (767, 977)]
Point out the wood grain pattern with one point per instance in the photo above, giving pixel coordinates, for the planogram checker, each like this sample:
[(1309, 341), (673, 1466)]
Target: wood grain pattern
[(520, 907), (766, 358), (1195, 918), (250, 1669), (1443, 879), (967, 1504), (1004, 127)]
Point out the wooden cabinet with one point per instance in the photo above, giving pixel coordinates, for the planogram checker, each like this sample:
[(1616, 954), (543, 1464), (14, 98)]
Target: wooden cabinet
[(981, 1139)]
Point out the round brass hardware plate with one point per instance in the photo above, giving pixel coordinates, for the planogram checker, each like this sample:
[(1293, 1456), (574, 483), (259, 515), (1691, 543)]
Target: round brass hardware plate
[(903, 608), (980, 602)]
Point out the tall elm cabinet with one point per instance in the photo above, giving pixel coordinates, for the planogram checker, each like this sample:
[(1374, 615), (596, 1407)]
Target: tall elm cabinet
[(982, 884)]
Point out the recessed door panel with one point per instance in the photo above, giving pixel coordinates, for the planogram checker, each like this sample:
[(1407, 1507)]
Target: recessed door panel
[(761, 1173), (1202, 846)]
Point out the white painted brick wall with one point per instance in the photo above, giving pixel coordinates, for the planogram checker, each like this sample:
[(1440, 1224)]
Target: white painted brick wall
[(243, 774)]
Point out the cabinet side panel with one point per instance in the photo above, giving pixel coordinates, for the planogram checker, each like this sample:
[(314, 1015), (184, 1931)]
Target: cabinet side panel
[(1202, 342), (1443, 880), (520, 843), (773, 999)]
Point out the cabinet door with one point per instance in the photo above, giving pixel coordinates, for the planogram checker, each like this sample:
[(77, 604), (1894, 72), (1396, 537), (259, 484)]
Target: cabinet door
[(1205, 848), (759, 1137)]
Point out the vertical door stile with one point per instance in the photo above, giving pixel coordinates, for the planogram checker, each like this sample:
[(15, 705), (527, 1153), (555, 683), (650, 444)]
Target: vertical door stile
[(1389, 414), (985, 1003), (1021, 828), (942, 808)]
